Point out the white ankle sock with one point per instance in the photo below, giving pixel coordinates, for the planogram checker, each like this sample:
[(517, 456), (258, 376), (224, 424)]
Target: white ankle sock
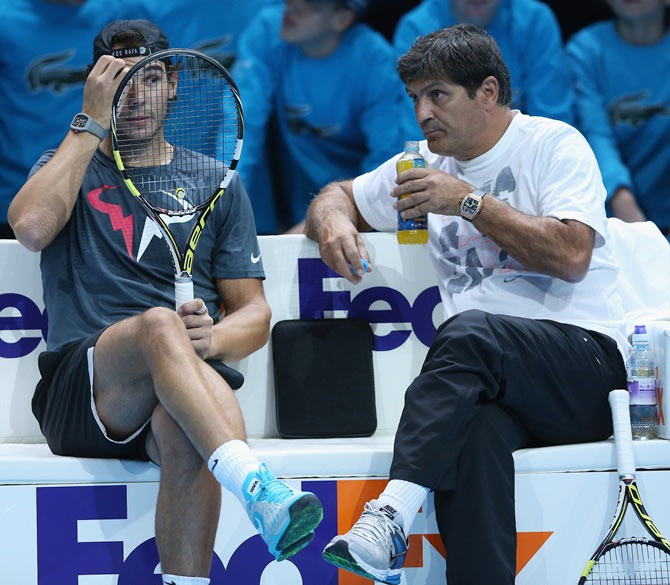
[(405, 497), (177, 580), (231, 463)]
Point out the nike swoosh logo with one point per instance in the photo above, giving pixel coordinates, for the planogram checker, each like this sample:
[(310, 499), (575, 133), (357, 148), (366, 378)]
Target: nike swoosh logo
[(255, 259)]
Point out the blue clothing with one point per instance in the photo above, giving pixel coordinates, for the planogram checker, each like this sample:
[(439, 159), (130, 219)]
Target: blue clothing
[(623, 110), (210, 26), (529, 39), (45, 48), (109, 261), (337, 116)]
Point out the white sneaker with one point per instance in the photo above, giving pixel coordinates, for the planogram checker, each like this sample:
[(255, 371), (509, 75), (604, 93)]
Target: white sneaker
[(374, 548)]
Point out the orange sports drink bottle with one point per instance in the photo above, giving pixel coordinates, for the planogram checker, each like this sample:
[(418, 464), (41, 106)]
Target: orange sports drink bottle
[(415, 230)]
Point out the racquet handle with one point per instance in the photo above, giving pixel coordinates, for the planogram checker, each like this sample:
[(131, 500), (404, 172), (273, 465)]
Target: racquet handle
[(623, 438), (183, 290)]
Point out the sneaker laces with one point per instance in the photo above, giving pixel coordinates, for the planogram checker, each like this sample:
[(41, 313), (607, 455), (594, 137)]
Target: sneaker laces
[(374, 526), (274, 490)]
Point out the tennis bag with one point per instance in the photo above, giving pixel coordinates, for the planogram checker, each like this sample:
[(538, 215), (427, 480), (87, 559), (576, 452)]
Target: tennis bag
[(324, 381)]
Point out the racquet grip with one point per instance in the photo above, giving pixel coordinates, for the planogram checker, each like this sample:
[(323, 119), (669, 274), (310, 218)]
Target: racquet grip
[(623, 439), (183, 290)]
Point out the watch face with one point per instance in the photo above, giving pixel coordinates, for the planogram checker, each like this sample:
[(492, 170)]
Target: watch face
[(79, 121), (470, 205)]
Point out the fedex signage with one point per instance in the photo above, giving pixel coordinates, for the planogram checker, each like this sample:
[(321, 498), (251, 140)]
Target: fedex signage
[(62, 558), (30, 318), (315, 301)]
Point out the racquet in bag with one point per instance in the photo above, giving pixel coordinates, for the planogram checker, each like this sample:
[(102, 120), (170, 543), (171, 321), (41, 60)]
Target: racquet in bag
[(177, 127), (636, 560)]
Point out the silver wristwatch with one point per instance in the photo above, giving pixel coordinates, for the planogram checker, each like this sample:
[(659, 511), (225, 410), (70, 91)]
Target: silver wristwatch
[(84, 123), (471, 205)]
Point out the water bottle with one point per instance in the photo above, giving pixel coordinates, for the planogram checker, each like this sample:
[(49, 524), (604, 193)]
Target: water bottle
[(415, 230), (642, 387)]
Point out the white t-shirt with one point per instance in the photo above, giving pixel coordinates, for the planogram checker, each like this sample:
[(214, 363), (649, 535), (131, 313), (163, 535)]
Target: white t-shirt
[(541, 167)]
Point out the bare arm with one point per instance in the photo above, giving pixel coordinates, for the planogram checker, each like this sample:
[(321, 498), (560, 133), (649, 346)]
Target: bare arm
[(561, 249), (625, 207), (333, 220), (44, 204)]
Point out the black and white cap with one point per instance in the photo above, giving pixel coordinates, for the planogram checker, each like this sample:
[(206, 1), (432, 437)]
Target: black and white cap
[(145, 38)]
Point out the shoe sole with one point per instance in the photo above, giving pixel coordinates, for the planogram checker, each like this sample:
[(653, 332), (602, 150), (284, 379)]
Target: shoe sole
[(305, 515), (338, 554)]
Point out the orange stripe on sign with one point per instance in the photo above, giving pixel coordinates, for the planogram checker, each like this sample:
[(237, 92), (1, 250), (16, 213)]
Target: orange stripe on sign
[(527, 544)]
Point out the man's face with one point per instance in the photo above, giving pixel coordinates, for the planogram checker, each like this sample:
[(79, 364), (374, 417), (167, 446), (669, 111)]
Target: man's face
[(144, 104), (451, 121), (638, 9), (477, 12), (307, 20)]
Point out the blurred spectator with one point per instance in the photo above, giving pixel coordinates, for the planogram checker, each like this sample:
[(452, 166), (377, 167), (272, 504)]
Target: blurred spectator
[(621, 71), (530, 41), (45, 48), (330, 85), (210, 26)]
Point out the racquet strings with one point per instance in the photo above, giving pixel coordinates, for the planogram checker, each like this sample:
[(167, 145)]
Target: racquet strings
[(632, 563), (201, 115)]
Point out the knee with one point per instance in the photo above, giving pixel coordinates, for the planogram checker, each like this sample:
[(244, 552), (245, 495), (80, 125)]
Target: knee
[(158, 326), (464, 324), (173, 446)]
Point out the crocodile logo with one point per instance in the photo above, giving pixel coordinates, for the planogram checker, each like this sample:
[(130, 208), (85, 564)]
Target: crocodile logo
[(52, 73)]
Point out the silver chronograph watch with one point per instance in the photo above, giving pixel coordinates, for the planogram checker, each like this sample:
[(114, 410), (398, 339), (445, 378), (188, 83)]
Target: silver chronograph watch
[(471, 205), (84, 123)]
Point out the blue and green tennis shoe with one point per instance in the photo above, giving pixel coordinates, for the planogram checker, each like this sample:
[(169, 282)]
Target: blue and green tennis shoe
[(284, 517)]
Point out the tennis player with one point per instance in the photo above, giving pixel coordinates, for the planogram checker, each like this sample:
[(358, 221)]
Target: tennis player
[(124, 375), (533, 339)]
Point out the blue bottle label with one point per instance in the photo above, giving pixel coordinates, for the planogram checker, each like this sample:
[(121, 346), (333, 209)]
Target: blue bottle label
[(416, 223), (642, 391)]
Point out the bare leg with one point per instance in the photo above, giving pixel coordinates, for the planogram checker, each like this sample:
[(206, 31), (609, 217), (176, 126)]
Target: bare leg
[(148, 359), (189, 501), (144, 367)]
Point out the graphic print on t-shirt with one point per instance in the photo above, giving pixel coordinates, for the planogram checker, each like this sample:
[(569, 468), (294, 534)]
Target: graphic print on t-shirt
[(116, 216), (471, 257)]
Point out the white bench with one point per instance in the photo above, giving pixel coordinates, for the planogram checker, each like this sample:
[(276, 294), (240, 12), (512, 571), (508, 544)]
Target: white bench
[(556, 489)]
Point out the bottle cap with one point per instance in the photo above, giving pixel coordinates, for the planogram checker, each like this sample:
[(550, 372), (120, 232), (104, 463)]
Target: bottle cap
[(640, 329), (412, 145)]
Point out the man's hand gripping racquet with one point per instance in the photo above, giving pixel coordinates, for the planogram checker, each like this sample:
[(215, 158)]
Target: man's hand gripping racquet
[(177, 127), (636, 560)]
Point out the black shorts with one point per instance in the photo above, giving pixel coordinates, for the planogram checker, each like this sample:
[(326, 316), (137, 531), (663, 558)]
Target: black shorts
[(64, 407)]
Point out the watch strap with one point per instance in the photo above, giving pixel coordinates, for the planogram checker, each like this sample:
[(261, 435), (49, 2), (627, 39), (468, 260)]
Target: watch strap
[(84, 123)]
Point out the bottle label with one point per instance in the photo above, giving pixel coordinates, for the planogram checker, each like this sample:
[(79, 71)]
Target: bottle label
[(642, 390), (416, 223)]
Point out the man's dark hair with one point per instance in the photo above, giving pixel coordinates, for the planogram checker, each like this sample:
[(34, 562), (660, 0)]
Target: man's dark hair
[(462, 54)]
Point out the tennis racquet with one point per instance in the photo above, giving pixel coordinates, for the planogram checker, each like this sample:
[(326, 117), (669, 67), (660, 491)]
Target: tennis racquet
[(177, 127), (636, 560)]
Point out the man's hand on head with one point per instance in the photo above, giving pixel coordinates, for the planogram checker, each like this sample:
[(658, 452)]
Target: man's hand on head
[(101, 85)]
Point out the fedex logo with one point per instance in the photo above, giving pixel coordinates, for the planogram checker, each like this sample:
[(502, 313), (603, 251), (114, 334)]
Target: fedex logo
[(315, 301), (30, 318), (62, 559), (65, 557)]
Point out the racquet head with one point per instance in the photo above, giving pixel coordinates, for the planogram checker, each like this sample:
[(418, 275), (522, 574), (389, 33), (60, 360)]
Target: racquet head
[(631, 561), (177, 129), (176, 98)]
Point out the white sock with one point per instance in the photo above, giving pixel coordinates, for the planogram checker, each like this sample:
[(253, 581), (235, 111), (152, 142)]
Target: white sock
[(231, 463), (177, 580), (404, 497)]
